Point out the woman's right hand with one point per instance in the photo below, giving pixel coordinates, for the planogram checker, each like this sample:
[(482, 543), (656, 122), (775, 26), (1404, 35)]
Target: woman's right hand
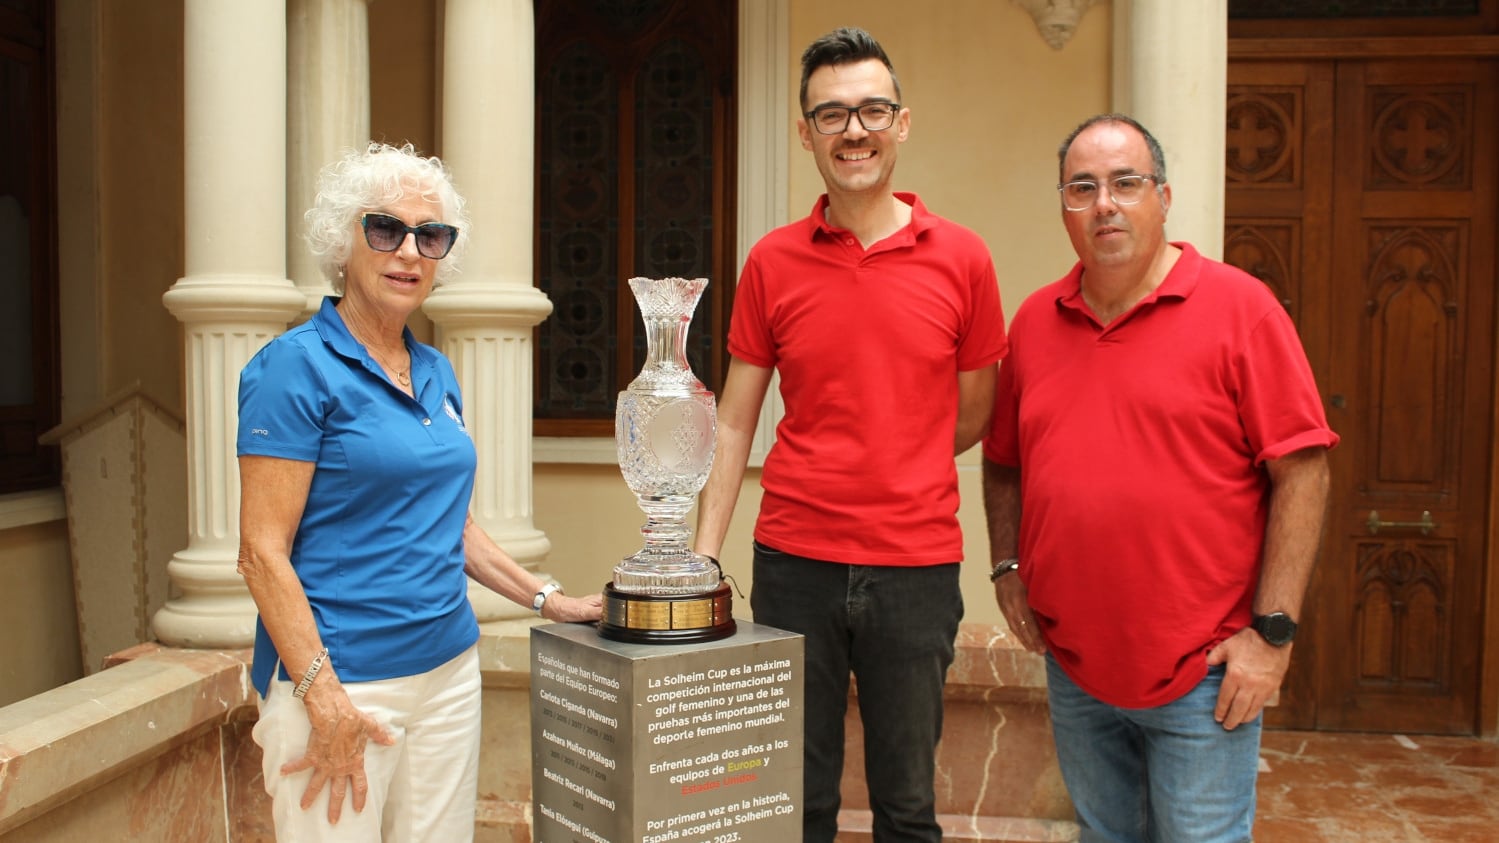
[(335, 749)]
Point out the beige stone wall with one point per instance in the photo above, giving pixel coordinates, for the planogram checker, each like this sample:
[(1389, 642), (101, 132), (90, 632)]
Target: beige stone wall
[(140, 149), (405, 85), (38, 627)]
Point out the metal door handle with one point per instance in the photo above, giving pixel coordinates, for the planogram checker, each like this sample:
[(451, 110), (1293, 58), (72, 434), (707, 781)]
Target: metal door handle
[(1426, 524)]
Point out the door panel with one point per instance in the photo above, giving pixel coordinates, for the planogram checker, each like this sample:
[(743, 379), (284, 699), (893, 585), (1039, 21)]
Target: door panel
[(1278, 225), (1413, 290), (1387, 266)]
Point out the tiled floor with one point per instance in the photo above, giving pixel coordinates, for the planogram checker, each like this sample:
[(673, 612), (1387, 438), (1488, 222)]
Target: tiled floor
[(1327, 787)]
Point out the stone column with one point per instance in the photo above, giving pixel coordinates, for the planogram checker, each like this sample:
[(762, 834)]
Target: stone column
[(328, 112), (765, 64), (234, 296), (483, 317), (1171, 74)]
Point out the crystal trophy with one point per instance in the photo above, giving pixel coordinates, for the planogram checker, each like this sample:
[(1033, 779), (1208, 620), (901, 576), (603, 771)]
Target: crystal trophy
[(664, 425)]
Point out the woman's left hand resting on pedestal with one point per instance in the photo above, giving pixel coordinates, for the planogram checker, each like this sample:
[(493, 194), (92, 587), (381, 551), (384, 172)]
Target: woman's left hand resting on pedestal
[(492, 567)]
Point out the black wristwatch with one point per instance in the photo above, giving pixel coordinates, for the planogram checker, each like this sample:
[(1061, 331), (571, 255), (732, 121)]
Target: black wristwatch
[(1276, 628)]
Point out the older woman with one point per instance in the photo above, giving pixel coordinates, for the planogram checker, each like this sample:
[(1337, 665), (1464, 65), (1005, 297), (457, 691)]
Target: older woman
[(355, 476)]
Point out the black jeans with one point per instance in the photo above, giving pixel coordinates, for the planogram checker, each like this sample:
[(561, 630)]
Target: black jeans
[(893, 628)]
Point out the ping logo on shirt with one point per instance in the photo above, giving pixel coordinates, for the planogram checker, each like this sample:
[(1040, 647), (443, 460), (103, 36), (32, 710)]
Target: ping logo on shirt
[(259, 431), (447, 407)]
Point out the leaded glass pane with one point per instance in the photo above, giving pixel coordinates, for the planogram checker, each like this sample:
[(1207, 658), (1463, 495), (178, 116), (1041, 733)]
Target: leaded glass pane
[(579, 184), (674, 181)]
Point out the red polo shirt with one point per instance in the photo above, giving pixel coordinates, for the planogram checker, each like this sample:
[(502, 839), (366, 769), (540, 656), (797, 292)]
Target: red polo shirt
[(868, 344), (1141, 447)]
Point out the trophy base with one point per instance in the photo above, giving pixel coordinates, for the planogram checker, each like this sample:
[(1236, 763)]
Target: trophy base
[(667, 618)]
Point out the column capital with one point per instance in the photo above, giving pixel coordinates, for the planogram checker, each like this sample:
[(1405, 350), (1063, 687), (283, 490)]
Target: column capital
[(234, 297), (470, 304)]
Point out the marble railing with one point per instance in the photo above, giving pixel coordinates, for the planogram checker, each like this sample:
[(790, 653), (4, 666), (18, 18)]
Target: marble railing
[(157, 747), (147, 749)]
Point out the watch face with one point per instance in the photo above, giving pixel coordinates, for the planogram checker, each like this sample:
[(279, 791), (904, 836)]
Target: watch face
[(1277, 628)]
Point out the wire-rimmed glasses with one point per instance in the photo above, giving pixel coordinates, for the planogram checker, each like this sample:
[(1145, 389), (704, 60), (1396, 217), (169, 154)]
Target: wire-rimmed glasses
[(1128, 189)]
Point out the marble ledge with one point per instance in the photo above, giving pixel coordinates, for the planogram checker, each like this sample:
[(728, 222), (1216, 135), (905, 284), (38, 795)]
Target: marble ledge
[(64, 742), (990, 664), (856, 826), (502, 821)]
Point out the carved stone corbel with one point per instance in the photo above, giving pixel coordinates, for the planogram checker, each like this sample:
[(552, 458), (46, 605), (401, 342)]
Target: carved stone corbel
[(1056, 19)]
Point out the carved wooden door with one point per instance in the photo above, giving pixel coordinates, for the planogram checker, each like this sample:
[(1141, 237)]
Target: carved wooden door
[(1363, 193)]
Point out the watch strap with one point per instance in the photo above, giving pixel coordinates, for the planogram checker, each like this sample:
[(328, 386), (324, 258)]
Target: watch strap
[(541, 596)]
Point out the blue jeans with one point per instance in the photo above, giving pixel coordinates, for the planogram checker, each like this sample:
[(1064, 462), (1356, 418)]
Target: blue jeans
[(894, 629), (1168, 774)]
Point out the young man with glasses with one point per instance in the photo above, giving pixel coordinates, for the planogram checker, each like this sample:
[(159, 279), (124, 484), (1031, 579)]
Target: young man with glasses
[(884, 323), (1155, 481)]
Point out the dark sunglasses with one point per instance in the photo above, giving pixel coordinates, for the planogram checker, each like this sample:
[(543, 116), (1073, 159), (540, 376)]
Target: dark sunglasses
[(385, 233)]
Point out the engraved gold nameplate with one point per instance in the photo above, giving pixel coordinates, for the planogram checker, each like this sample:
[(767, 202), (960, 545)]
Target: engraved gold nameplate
[(667, 619)]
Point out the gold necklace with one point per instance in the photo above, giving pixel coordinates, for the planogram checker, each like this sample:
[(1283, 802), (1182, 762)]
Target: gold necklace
[(403, 376)]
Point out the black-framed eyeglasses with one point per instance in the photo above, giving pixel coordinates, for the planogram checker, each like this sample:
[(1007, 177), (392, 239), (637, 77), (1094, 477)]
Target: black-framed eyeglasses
[(385, 233), (1126, 190), (873, 116)]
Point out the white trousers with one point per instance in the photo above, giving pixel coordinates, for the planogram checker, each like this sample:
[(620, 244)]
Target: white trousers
[(422, 788)]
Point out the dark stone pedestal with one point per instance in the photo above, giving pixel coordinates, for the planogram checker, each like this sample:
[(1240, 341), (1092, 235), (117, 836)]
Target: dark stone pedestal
[(655, 743)]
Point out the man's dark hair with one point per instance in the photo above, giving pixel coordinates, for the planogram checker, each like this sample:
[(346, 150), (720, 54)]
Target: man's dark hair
[(1157, 157), (843, 46)]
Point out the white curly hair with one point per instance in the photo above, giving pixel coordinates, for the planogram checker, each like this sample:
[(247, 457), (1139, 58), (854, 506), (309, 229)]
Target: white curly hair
[(376, 177)]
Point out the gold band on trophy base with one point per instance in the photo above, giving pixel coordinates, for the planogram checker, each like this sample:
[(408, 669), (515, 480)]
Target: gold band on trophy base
[(667, 618)]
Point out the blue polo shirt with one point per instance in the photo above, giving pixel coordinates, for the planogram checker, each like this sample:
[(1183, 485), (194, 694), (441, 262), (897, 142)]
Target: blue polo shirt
[(379, 550)]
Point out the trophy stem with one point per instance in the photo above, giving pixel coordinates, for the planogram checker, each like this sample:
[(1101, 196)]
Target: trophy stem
[(665, 529), (666, 565)]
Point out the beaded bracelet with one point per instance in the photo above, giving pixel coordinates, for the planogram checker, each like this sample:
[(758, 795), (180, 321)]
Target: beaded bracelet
[(1004, 567)]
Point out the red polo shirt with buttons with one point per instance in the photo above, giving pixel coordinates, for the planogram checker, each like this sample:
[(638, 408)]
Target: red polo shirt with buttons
[(1141, 447), (868, 344)]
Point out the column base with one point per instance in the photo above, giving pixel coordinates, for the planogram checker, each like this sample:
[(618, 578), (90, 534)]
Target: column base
[(199, 622)]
